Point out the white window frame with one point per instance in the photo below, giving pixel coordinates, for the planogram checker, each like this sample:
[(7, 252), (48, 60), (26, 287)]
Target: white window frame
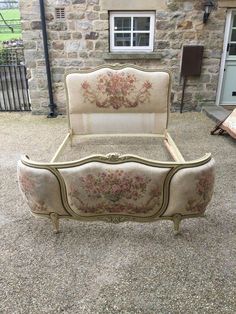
[(132, 48)]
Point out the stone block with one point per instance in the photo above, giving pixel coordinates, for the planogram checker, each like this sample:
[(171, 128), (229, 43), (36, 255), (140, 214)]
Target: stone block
[(92, 35), (164, 25), (49, 17), (36, 25), (65, 35), (103, 16), (92, 15), (58, 26), (59, 3), (71, 25), (189, 35), (100, 25), (26, 25), (185, 25), (83, 25), (72, 46), (30, 45), (57, 54), (75, 16), (58, 70), (58, 45), (78, 1), (76, 35), (89, 45), (83, 54), (162, 44), (172, 5), (40, 62), (72, 55), (188, 6), (52, 35), (93, 1)]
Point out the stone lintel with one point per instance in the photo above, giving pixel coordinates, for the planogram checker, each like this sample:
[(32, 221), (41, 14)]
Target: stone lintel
[(133, 5), (227, 4), (132, 56)]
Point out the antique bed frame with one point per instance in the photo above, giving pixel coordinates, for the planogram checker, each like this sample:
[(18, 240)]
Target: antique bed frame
[(113, 187)]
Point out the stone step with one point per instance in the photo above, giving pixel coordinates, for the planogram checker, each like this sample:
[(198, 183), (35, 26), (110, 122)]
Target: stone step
[(216, 113)]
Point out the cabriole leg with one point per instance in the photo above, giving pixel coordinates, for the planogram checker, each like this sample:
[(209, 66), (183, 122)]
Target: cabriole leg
[(177, 220), (55, 222)]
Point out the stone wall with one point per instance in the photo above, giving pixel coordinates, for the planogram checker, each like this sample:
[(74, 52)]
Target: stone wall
[(82, 40)]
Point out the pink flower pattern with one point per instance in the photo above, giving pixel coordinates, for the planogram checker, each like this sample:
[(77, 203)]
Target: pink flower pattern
[(114, 192), (117, 90), (29, 188), (204, 190)]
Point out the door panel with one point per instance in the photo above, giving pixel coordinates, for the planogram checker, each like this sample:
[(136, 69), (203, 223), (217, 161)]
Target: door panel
[(229, 84), (228, 92)]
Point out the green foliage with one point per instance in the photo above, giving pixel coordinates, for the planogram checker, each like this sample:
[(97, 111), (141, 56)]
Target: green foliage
[(3, 56)]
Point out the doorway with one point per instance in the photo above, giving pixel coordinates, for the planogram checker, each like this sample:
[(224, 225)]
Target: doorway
[(227, 95)]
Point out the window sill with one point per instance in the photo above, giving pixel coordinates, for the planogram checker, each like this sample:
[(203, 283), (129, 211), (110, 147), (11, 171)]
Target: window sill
[(132, 56)]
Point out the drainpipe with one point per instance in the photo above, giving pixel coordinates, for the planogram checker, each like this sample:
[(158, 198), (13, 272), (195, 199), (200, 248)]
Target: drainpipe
[(52, 106)]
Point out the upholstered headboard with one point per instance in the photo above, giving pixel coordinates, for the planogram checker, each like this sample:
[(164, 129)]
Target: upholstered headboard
[(118, 99)]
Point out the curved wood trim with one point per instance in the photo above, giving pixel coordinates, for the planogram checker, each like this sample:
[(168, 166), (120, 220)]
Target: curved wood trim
[(116, 159)]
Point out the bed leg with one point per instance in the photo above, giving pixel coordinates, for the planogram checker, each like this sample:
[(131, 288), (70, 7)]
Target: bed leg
[(71, 139), (177, 220), (55, 222)]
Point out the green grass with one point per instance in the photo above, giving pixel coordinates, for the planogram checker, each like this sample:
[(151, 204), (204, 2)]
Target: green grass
[(11, 14)]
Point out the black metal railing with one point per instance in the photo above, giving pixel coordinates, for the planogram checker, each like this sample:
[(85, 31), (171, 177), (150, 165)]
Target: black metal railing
[(14, 91)]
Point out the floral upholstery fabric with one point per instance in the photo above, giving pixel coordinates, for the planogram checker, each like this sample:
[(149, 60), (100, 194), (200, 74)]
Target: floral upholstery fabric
[(40, 189), (127, 91), (191, 190), (130, 188), (229, 125)]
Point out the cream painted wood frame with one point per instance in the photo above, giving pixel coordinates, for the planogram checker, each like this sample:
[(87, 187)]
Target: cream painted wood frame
[(168, 141), (113, 158)]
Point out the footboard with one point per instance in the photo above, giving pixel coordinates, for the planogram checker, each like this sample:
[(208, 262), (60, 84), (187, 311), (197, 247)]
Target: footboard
[(117, 188)]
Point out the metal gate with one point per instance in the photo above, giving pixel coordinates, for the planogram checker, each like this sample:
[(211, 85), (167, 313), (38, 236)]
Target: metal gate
[(14, 91)]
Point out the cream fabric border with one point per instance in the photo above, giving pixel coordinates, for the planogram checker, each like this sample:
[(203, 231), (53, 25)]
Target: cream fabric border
[(98, 123)]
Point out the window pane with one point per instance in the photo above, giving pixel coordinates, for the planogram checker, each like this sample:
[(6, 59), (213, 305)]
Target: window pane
[(233, 37), (234, 22), (141, 24), (122, 23), (232, 50), (122, 40), (140, 39)]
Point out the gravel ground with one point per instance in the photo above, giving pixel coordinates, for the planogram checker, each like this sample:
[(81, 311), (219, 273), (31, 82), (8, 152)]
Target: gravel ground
[(126, 268)]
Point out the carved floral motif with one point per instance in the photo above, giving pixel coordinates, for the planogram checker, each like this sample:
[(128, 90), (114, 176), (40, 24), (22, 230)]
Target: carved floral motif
[(117, 90)]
